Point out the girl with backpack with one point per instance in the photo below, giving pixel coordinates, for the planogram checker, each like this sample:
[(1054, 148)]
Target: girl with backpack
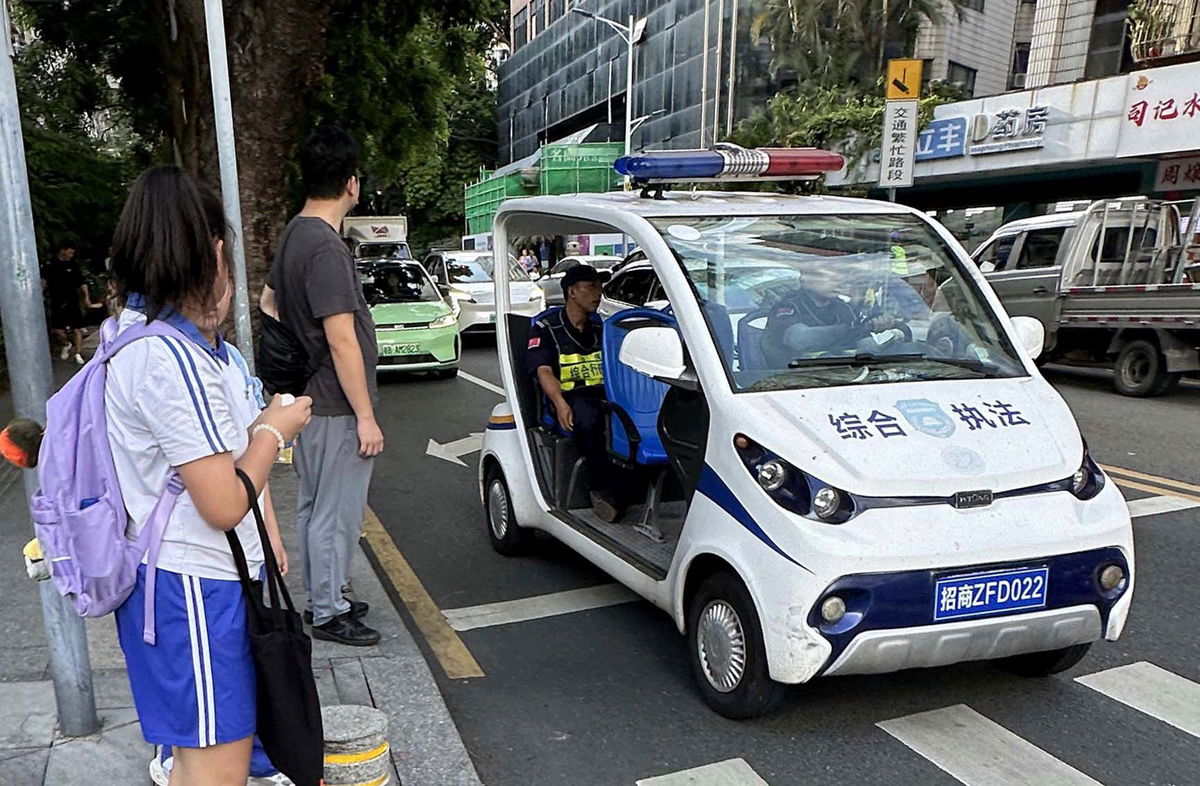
[(180, 403)]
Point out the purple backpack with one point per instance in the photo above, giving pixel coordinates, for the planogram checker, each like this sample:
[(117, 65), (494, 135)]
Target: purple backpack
[(78, 511)]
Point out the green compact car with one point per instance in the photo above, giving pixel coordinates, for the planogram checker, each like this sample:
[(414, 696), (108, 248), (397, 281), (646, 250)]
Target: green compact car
[(416, 329)]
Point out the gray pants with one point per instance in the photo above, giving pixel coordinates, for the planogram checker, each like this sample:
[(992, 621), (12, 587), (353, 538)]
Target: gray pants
[(329, 509)]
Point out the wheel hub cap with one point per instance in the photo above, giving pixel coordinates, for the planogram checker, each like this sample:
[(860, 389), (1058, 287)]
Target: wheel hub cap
[(498, 509), (721, 645)]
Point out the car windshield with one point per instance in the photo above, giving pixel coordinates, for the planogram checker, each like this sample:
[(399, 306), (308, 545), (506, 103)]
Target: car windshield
[(479, 270), (827, 300), (383, 251), (396, 284)]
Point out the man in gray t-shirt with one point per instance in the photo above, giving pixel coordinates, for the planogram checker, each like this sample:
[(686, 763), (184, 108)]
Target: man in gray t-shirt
[(316, 292)]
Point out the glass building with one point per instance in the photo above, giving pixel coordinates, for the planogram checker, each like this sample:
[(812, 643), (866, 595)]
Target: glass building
[(567, 72)]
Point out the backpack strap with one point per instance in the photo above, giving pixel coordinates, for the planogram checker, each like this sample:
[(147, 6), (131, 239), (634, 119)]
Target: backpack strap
[(153, 534)]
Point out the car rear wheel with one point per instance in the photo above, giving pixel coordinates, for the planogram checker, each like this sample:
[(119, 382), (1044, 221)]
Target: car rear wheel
[(1141, 370), (1043, 664), (729, 662), (507, 537)]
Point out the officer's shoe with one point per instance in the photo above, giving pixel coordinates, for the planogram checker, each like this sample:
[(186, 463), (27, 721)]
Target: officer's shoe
[(605, 508), (344, 629), (358, 610)]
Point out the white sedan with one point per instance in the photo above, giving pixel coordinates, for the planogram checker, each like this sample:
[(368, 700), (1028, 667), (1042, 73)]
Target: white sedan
[(466, 278)]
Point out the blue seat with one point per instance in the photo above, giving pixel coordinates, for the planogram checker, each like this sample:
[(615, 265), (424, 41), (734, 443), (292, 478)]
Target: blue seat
[(749, 342), (634, 399)]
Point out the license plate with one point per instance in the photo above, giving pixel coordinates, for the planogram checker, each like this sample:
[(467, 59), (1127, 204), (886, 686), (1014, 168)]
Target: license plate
[(400, 349), (981, 594)]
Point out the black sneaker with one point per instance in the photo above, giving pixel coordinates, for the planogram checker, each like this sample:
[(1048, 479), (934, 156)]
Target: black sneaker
[(358, 610), (344, 629)]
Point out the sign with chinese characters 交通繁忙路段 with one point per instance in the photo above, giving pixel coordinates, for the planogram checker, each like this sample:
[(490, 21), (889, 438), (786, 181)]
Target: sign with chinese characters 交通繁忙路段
[(898, 146)]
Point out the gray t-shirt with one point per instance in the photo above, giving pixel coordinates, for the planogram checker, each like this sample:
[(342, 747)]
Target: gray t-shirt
[(314, 277)]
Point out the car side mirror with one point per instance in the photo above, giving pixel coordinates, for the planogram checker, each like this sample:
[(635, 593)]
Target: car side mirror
[(1031, 333), (987, 267), (657, 352)]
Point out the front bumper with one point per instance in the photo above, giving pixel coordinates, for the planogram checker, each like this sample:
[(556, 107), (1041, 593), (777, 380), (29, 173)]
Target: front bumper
[(889, 624), (423, 349), (479, 317)]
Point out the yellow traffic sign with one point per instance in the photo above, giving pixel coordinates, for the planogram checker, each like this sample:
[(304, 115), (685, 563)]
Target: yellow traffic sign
[(904, 79)]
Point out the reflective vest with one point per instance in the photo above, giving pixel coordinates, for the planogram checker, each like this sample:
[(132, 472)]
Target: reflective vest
[(577, 366)]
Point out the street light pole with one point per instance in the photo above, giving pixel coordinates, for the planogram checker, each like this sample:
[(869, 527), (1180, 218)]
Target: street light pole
[(218, 66), (27, 348)]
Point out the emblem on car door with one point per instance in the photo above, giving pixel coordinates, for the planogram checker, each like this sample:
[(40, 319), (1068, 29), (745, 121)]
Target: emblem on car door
[(973, 499)]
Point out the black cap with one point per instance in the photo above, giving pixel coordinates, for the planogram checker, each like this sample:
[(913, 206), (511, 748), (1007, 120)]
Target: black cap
[(577, 274)]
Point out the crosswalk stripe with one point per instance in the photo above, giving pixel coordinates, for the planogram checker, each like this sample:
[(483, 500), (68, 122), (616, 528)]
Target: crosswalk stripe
[(978, 751), (525, 609), (731, 772), (1151, 506), (1152, 690)]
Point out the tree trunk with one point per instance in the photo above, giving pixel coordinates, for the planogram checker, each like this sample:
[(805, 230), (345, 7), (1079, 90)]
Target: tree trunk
[(276, 54)]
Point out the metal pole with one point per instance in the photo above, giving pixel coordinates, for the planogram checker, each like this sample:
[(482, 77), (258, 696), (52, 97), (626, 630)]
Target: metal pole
[(704, 75), (218, 66), (27, 348), (732, 69), (629, 97), (716, 121)]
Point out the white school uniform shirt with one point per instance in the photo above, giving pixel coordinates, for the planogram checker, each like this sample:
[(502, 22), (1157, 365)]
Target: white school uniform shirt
[(170, 401)]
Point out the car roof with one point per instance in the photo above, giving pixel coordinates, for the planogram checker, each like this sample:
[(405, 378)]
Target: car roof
[(1065, 219), (465, 255), (705, 203), (388, 261)]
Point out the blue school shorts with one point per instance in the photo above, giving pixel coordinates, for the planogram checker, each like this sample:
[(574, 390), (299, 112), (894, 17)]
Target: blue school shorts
[(195, 686)]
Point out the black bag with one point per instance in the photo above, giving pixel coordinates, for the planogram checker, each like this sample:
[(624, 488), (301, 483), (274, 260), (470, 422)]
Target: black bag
[(289, 711), (282, 362)]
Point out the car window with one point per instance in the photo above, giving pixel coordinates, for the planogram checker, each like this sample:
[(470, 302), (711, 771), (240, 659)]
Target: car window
[(396, 284), (996, 254), (564, 266), (632, 287), (1040, 248)]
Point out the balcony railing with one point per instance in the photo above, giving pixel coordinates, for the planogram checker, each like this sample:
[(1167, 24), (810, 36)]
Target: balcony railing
[(1164, 29)]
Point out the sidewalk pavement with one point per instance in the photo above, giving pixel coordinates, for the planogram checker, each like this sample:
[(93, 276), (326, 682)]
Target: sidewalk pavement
[(393, 676)]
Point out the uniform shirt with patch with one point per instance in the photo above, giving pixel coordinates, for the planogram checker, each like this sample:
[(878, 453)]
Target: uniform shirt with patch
[(543, 348), (171, 401)]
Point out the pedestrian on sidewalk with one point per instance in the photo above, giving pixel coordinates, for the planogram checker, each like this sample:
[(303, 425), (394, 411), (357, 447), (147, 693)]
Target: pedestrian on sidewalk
[(315, 289), (66, 295), (181, 405)]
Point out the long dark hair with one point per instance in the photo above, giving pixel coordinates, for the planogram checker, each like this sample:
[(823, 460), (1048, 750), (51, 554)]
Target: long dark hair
[(163, 244)]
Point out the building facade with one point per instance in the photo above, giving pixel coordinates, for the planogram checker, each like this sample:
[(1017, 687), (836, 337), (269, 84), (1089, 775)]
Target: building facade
[(697, 72)]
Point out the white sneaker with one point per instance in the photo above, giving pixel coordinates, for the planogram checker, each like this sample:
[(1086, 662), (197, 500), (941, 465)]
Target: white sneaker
[(278, 779), (160, 768), (65, 354), (79, 361)]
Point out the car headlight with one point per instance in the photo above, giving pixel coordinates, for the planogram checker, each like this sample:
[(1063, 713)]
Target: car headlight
[(446, 320), (1088, 480), (792, 489), (459, 295)]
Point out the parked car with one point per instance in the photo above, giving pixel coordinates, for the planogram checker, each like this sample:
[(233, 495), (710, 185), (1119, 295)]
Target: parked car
[(466, 278), (551, 285)]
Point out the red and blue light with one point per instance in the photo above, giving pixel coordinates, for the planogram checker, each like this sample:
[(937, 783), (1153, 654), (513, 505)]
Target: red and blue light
[(728, 162)]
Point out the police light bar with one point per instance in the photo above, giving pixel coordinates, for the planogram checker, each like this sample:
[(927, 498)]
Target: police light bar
[(728, 162)]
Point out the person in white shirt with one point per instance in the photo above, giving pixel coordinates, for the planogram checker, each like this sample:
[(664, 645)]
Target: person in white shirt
[(180, 404)]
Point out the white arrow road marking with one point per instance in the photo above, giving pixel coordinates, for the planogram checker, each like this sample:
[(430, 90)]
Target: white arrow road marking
[(538, 607), (451, 451), (732, 772)]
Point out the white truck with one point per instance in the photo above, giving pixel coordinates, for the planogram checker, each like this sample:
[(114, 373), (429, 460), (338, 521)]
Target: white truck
[(1114, 284), (377, 237)]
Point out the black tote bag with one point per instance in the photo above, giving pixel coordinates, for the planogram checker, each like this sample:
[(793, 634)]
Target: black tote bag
[(289, 711)]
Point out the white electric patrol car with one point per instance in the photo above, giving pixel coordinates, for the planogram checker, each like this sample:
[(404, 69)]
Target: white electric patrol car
[(847, 461)]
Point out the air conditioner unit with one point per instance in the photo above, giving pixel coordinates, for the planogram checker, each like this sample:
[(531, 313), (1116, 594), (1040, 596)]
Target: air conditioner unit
[(1018, 81)]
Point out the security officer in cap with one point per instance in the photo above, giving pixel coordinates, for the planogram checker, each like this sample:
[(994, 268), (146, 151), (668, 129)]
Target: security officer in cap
[(564, 356)]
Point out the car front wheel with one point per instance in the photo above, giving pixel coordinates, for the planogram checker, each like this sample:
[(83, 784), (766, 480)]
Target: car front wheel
[(507, 537), (729, 662), (1043, 664)]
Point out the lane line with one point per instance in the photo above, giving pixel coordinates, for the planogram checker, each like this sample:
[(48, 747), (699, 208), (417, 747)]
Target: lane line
[(483, 383), (1152, 506), (456, 660), (731, 772), (1133, 484), (1155, 691), (978, 751), (1170, 482), (538, 607)]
